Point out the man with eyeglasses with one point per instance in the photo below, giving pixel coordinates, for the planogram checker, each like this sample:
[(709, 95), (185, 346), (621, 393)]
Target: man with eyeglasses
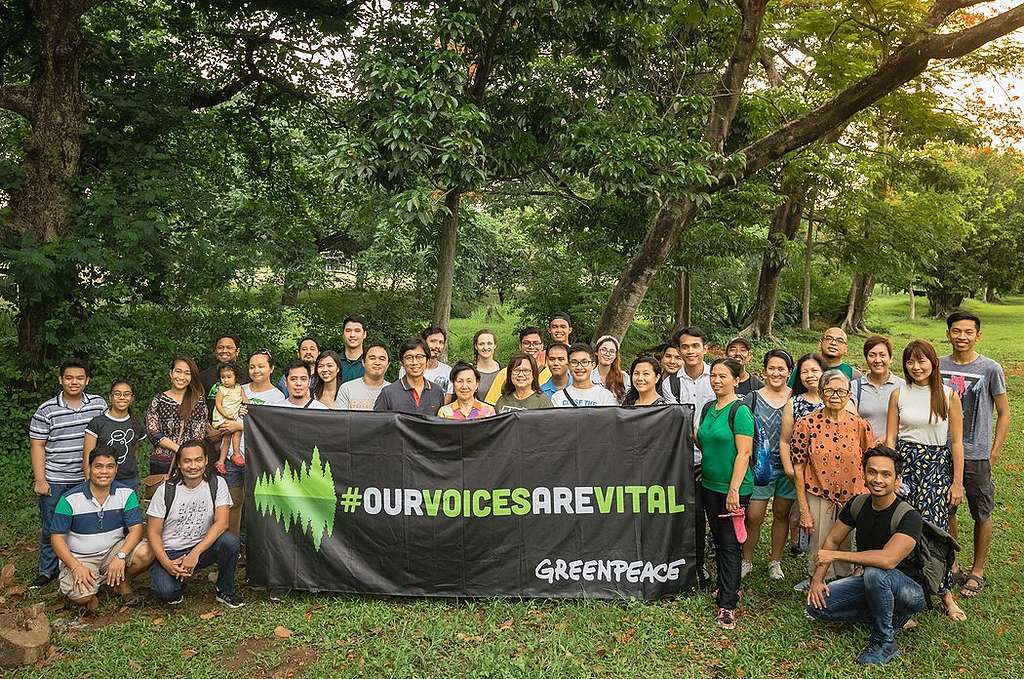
[(412, 393), (582, 391), (531, 344), (437, 371), (833, 346)]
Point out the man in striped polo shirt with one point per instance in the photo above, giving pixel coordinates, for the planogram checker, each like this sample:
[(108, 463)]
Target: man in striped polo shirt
[(57, 435), (95, 532)]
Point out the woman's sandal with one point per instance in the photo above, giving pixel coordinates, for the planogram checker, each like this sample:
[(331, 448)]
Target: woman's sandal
[(974, 585)]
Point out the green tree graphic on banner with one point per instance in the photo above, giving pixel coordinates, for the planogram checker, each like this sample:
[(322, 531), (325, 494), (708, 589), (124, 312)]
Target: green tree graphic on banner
[(306, 499)]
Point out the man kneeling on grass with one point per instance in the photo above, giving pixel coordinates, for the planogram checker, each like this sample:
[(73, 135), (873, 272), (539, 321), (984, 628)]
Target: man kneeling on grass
[(188, 529), (96, 534), (892, 587)]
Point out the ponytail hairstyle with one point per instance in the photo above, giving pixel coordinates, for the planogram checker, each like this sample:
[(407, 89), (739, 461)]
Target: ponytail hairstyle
[(193, 392), (633, 394), (613, 382), (922, 349)]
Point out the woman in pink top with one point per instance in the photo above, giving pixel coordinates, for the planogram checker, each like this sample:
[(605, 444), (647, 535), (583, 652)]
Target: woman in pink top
[(466, 406)]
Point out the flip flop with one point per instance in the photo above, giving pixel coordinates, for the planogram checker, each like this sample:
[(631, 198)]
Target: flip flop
[(974, 585)]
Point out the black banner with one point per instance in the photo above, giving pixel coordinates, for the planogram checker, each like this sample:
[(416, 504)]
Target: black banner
[(588, 502)]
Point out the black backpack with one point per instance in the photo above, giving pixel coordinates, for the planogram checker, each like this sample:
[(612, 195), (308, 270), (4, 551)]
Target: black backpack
[(934, 554), (732, 423), (170, 489)]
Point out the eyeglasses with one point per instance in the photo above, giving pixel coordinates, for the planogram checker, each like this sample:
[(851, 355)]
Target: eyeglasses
[(829, 393), (537, 343), (579, 364), (606, 352), (414, 358), (833, 340), (522, 371), (121, 394)]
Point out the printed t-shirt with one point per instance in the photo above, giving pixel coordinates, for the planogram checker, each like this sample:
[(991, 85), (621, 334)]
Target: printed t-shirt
[(594, 396), (977, 383), (357, 395), (832, 452), (508, 402), (191, 514), (122, 436)]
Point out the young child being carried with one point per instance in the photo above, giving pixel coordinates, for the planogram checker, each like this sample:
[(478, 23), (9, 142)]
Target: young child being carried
[(229, 401)]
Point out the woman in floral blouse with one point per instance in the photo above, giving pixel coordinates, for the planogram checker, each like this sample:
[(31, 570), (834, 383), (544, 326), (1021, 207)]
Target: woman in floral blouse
[(176, 415)]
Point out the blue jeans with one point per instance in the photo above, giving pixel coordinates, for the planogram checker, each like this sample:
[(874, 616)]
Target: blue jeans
[(47, 504), (884, 599), (224, 552)]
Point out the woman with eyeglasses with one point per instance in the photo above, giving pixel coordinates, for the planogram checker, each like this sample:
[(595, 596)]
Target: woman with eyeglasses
[(608, 371), (827, 453), (466, 406), (926, 425), (646, 379), (521, 390)]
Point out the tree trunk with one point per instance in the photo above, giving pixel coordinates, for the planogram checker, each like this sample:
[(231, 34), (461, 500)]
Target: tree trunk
[(861, 286), (805, 305), (682, 299), (942, 302), (990, 293), (783, 228), (447, 244), (913, 304)]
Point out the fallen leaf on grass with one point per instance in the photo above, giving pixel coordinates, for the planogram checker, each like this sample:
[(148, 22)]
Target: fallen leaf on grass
[(282, 632), (6, 575), (157, 622), (468, 637), (134, 666), (15, 591), (627, 636), (210, 615), (187, 653), (508, 624), (308, 615)]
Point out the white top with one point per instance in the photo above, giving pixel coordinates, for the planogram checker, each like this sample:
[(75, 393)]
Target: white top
[(696, 392), (594, 396), (595, 377), (313, 405), (917, 423), (191, 513), (270, 397)]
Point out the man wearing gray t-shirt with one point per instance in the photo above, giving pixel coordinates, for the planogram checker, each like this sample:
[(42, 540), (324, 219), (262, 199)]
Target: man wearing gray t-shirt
[(362, 393), (981, 385)]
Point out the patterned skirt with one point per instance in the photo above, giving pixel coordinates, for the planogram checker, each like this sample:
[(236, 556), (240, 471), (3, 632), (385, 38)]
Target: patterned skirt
[(927, 476)]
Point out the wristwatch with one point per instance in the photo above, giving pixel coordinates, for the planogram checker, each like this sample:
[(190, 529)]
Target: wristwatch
[(122, 556)]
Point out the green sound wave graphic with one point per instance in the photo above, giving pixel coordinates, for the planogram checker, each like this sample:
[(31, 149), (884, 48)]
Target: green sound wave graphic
[(305, 498)]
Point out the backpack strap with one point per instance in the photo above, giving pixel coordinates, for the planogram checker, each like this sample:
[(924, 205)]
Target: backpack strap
[(675, 385), (901, 511), (704, 412), (732, 414), (860, 391), (569, 398), (170, 488), (857, 504)]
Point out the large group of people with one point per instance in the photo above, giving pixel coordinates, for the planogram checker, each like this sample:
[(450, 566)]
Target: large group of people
[(808, 435)]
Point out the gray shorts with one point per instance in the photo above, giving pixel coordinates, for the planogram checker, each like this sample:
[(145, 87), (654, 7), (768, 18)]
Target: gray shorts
[(979, 488), (97, 563)]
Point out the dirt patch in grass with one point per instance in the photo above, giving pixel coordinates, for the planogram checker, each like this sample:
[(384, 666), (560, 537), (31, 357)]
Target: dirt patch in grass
[(244, 658)]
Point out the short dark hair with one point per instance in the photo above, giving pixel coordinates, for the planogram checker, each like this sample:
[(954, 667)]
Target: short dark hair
[(102, 450), (559, 345), (308, 338), (873, 341), (295, 365), (263, 352), (234, 338), (560, 314), (529, 330), (374, 345), (734, 366), (125, 381), (233, 367), (354, 318), (786, 357), (75, 363), (578, 347), (434, 329), (410, 344), (462, 367), (798, 384), (882, 450), (962, 316), (692, 331)]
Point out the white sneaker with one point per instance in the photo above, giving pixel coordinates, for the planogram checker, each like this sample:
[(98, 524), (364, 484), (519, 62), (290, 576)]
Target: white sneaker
[(802, 586), (775, 571), (745, 568)]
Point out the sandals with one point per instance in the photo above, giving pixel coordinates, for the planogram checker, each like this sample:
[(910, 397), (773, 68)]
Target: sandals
[(974, 585)]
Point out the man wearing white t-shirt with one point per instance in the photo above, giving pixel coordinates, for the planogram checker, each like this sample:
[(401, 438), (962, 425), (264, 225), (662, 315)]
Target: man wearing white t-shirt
[(582, 392), (362, 393), (188, 529), (296, 377)]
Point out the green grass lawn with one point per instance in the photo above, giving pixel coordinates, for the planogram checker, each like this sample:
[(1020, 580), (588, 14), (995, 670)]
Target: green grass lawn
[(326, 636)]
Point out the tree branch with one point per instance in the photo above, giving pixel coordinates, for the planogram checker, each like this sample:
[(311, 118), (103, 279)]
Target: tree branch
[(17, 99), (903, 66)]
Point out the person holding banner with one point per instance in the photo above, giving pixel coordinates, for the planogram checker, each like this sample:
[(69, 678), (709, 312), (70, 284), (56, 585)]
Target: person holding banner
[(412, 393), (726, 438), (465, 380), (521, 390), (582, 391), (643, 390)]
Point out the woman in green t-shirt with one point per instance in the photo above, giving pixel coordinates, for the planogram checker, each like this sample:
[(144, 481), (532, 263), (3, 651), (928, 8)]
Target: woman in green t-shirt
[(726, 480), (521, 390)]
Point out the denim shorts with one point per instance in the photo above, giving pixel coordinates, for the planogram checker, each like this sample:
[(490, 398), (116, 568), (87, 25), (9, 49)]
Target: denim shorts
[(234, 475), (780, 486)]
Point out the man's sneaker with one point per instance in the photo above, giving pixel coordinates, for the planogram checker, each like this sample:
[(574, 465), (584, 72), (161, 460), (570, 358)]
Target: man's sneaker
[(229, 600), (42, 581), (745, 568), (775, 571), (278, 593), (175, 602), (802, 586), (795, 551), (726, 618), (876, 654)]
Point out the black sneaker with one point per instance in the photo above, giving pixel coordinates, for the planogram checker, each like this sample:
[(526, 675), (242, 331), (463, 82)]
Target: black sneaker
[(175, 602), (229, 600), (42, 581)]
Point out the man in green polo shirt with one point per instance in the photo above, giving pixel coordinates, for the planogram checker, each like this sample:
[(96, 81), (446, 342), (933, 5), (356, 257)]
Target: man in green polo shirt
[(833, 346)]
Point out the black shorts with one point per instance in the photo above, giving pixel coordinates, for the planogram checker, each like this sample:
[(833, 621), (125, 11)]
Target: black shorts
[(979, 488)]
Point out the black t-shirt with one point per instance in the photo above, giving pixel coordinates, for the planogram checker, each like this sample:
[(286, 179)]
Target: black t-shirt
[(752, 383), (210, 378), (124, 437), (874, 530)]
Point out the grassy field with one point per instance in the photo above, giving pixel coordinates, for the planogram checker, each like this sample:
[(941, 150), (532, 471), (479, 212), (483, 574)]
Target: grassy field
[(322, 636)]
